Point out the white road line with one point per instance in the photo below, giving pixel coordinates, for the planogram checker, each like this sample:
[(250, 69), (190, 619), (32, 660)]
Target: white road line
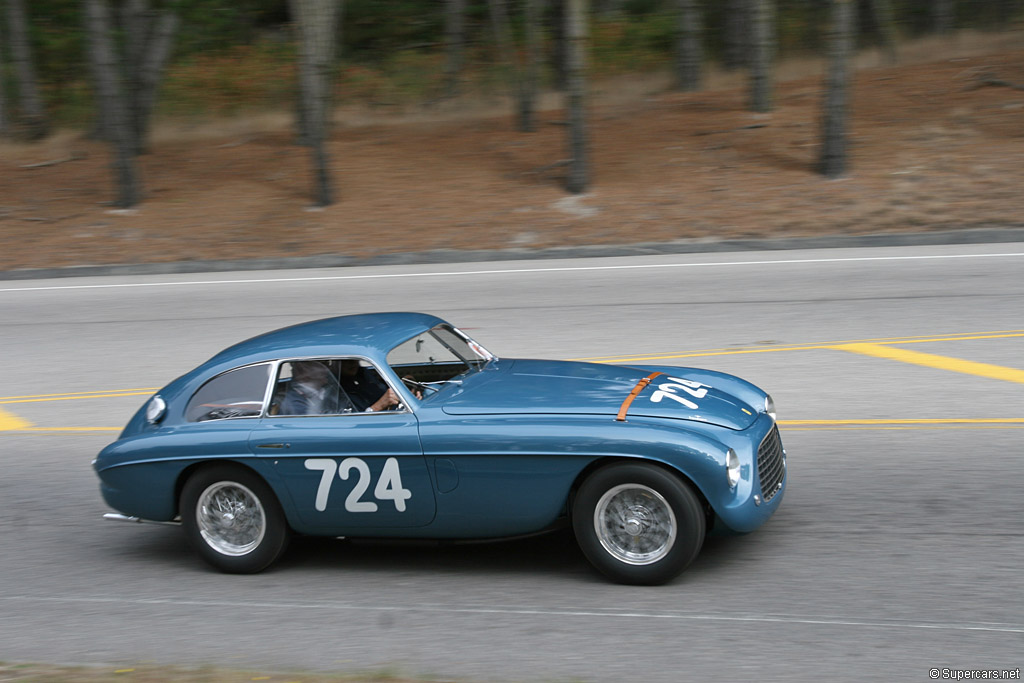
[(993, 627), (498, 271)]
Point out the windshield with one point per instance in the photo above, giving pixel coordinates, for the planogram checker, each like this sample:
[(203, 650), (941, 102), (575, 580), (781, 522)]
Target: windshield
[(437, 356)]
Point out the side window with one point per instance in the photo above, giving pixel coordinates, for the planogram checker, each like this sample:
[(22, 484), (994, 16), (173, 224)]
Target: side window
[(236, 393), (309, 387), (330, 386)]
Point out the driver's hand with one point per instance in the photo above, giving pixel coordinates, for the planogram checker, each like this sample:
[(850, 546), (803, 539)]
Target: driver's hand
[(388, 400)]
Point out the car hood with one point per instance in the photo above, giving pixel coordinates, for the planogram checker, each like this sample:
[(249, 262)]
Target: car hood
[(565, 387)]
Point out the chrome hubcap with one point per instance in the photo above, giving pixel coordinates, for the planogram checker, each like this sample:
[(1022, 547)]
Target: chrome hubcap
[(230, 518), (635, 524)]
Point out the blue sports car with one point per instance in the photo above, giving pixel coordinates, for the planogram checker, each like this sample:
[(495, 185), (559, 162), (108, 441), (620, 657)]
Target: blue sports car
[(399, 425)]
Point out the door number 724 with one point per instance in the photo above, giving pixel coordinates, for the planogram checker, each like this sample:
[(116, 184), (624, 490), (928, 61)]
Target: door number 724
[(389, 485)]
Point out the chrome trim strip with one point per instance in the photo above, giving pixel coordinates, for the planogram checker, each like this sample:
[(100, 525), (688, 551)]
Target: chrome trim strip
[(116, 517)]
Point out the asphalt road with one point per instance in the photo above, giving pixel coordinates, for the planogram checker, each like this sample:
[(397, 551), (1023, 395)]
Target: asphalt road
[(898, 548)]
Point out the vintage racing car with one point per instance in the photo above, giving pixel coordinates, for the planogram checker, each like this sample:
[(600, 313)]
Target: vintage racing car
[(399, 425)]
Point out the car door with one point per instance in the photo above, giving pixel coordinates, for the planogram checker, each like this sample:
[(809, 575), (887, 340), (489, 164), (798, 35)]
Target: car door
[(349, 473)]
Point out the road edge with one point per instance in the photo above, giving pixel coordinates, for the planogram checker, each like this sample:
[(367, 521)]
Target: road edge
[(687, 246)]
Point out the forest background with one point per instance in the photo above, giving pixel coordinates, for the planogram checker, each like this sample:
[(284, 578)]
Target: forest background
[(421, 141)]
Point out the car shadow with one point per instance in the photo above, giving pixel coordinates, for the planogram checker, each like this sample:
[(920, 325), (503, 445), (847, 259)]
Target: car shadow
[(554, 553)]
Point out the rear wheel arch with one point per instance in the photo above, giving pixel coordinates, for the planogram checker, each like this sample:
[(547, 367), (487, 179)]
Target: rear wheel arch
[(232, 516), (189, 471)]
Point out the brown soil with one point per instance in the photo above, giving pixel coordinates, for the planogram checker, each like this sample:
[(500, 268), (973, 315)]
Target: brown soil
[(930, 150)]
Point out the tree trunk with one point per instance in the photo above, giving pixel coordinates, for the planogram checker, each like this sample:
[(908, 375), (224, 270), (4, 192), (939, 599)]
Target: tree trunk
[(151, 71), (689, 54), (762, 50), (503, 41), (833, 148), (455, 45), (108, 82), (522, 77), (737, 30), (882, 11), (530, 79), (942, 16), (608, 8), (558, 54), (576, 74), (32, 113), (317, 20), (134, 27), (3, 93)]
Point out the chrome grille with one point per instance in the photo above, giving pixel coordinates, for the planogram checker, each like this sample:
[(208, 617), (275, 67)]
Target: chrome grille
[(771, 464)]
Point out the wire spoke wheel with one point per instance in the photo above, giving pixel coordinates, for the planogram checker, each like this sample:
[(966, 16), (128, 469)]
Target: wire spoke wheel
[(230, 518), (638, 523), (233, 519), (635, 524)]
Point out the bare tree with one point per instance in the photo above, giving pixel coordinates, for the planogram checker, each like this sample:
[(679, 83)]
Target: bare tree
[(317, 24), (942, 16), (111, 92), (455, 44), (523, 72), (689, 54), (608, 8), (576, 72), (3, 92), (762, 49), (32, 115), (881, 11), (832, 163), (531, 69), (149, 37), (736, 30)]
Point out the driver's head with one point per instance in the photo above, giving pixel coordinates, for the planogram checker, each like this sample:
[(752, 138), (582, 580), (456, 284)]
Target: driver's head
[(311, 371)]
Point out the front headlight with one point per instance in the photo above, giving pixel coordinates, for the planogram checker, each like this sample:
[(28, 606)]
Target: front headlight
[(155, 410), (732, 467), (769, 406)]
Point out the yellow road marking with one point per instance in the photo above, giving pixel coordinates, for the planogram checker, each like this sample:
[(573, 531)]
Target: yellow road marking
[(73, 397), (879, 348), (795, 425), (70, 429), (940, 362), (9, 422), (965, 336), (76, 394)]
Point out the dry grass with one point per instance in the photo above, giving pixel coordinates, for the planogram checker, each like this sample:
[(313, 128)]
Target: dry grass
[(928, 152), (43, 673)]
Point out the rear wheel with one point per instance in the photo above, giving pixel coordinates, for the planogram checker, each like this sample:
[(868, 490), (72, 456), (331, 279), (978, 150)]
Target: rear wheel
[(232, 518), (637, 523)]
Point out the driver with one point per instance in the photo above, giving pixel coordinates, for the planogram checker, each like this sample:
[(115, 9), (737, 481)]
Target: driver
[(368, 392), (313, 390)]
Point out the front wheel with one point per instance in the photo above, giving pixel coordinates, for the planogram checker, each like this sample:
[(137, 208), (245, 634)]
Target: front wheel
[(637, 523), (232, 518)]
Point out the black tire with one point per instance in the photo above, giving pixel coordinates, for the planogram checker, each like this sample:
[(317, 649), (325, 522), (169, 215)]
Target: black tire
[(638, 523), (233, 519)]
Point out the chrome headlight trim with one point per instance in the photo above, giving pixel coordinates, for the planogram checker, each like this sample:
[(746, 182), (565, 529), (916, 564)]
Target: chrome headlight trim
[(732, 468), (769, 406)]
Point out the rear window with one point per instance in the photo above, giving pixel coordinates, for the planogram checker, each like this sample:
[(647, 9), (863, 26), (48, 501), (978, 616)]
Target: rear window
[(236, 393)]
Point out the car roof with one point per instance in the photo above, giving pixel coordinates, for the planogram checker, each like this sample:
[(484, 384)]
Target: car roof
[(368, 334)]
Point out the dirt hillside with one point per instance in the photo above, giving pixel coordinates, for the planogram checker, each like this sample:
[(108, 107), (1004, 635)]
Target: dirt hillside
[(932, 148)]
